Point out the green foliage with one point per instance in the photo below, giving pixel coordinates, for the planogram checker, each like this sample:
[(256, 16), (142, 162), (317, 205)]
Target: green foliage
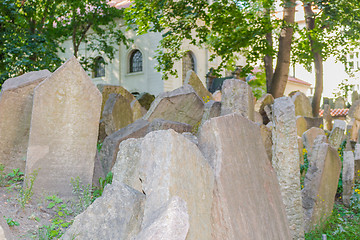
[(15, 176), (258, 84), (341, 155), (344, 89), (82, 194), (97, 192), (11, 222), (26, 192), (99, 146)]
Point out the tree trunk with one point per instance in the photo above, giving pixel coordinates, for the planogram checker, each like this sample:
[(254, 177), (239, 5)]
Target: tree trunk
[(281, 73), (268, 59), (318, 61)]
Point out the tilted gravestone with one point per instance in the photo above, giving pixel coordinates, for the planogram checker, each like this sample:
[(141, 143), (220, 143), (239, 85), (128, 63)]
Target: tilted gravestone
[(337, 133), (233, 146), (320, 184), (211, 109), (309, 136), (64, 130), (117, 113), (181, 105), (193, 80), (237, 97), (302, 104), (301, 125), (15, 116), (285, 160), (165, 164), (116, 214)]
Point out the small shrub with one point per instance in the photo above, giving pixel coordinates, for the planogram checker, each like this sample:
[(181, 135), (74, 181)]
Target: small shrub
[(11, 222), (26, 192), (97, 192), (83, 195)]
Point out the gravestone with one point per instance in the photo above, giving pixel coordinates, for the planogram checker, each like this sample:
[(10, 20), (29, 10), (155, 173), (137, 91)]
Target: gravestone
[(301, 125), (116, 214), (302, 104), (337, 133), (237, 97), (145, 99), (314, 122), (354, 111), (170, 223), (339, 103), (327, 118), (354, 96), (309, 137), (357, 160), (240, 164), (64, 130), (354, 130), (286, 164), (320, 184), (266, 136), (181, 105), (261, 103), (193, 80), (166, 164), (211, 109), (15, 116), (348, 176), (217, 96), (117, 113)]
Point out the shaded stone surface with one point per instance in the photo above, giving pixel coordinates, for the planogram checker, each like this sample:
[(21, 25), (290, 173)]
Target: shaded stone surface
[(321, 183), (348, 176), (337, 133), (117, 113), (64, 130), (211, 109), (181, 105), (285, 161), (240, 164), (170, 223), (15, 116), (302, 104), (339, 103), (354, 111), (193, 80), (327, 118), (301, 125), (266, 136), (309, 136), (166, 164), (314, 122), (237, 97), (117, 214), (98, 171), (354, 130), (357, 160), (145, 99)]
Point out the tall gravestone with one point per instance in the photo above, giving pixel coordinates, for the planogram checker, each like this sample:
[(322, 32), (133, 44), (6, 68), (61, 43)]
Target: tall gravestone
[(337, 133), (193, 80), (247, 201), (302, 104), (285, 161), (15, 115), (348, 176), (64, 129)]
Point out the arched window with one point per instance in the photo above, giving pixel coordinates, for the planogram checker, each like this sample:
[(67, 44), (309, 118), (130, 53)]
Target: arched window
[(99, 67), (188, 63), (135, 61)]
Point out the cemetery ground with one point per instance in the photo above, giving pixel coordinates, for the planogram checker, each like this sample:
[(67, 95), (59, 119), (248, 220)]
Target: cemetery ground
[(49, 217)]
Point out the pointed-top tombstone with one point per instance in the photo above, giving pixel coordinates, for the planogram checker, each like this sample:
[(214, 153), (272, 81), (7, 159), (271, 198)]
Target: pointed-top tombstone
[(64, 129), (193, 80)]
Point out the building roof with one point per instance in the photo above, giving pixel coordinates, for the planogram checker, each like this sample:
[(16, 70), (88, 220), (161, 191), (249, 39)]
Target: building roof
[(119, 3), (299, 81), (336, 112)]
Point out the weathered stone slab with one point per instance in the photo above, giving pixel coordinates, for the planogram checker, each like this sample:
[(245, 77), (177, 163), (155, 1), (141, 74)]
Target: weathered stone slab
[(217, 96), (354, 130), (309, 136), (145, 99), (117, 113), (98, 171), (115, 215), (337, 133), (266, 136), (181, 105), (240, 163), (339, 103), (321, 183), (266, 100), (211, 109), (302, 104), (314, 122), (354, 111), (171, 223), (166, 164), (348, 176), (161, 124), (357, 159), (285, 161), (15, 117), (301, 125), (193, 80), (237, 97), (301, 147), (64, 130), (327, 118)]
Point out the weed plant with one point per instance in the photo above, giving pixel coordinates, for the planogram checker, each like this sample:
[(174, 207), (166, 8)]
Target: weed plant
[(11, 222), (26, 191)]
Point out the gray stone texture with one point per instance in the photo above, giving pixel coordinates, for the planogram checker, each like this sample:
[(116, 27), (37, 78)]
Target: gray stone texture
[(309, 136), (285, 161), (64, 130), (117, 214), (165, 164), (320, 185), (339, 103), (354, 130), (237, 97), (314, 122), (354, 96), (301, 125), (337, 133), (193, 80), (15, 116), (348, 176), (266, 136), (302, 104), (357, 160), (354, 111), (327, 118), (170, 222), (211, 109), (117, 113), (247, 200), (181, 105)]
